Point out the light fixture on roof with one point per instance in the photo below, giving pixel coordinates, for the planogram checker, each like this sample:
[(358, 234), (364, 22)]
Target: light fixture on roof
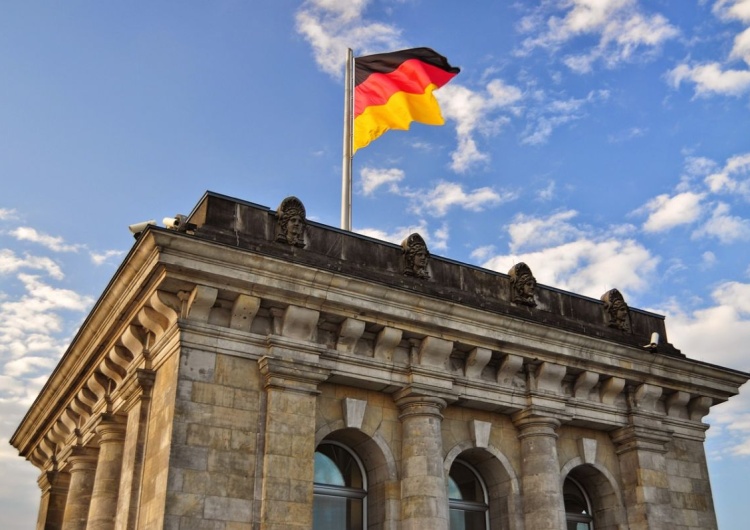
[(178, 223), (137, 228), (651, 346)]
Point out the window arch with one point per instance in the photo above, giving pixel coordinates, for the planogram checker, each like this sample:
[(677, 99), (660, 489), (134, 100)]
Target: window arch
[(577, 506), (339, 489), (467, 498)]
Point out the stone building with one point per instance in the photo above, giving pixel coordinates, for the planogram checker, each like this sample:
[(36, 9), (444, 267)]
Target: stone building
[(250, 369)]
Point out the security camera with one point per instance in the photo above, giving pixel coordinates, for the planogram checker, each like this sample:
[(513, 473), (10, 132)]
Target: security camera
[(178, 223), (137, 228), (651, 346)]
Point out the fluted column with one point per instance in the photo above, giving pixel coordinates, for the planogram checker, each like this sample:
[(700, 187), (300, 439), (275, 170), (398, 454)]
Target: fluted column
[(424, 497), (543, 505), (54, 486), (111, 433), (82, 468)]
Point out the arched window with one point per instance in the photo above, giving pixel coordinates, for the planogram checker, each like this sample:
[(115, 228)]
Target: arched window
[(467, 498), (340, 488), (577, 506)]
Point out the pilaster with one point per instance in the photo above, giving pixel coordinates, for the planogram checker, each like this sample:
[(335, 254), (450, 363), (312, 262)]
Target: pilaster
[(137, 394), (291, 388)]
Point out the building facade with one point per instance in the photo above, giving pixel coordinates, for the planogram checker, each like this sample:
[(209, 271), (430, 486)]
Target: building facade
[(250, 369)]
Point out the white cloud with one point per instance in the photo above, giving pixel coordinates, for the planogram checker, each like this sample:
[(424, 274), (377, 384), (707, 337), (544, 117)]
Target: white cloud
[(741, 47), (621, 27), (7, 214), (667, 212), (711, 78), (545, 118), (589, 266), (529, 232), (724, 227), (548, 192), (708, 260), (56, 244), (482, 253), (475, 112), (35, 318), (99, 258), (373, 178), (438, 200), (719, 334), (10, 263), (576, 258), (446, 195), (734, 177), (436, 240), (732, 10), (332, 26)]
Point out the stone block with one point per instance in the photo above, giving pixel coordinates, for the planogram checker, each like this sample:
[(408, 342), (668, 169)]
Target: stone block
[(196, 365), (208, 436), (228, 509), (212, 394), (184, 504), (188, 457)]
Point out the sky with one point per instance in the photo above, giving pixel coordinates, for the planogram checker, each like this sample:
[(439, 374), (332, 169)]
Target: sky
[(606, 143)]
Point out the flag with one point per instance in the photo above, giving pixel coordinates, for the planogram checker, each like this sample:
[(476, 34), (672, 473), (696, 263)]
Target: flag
[(393, 89)]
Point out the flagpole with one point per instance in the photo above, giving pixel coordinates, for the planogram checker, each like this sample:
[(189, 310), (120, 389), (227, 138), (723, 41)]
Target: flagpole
[(346, 169)]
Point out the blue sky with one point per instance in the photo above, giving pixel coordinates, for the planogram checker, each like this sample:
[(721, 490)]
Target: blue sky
[(605, 143)]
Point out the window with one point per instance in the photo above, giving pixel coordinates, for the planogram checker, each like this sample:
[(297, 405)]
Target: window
[(340, 489), (577, 506), (467, 498)]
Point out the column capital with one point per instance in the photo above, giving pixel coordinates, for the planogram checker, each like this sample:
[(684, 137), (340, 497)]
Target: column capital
[(110, 428), (51, 480), (634, 437), (411, 405), (291, 375), (137, 386), (82, 459), (530, 423)]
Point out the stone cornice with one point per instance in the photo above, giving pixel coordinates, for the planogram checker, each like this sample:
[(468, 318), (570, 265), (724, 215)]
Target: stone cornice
[(167, 288)]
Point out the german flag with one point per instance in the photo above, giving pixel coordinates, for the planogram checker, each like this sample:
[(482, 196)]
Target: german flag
[(393, 89)]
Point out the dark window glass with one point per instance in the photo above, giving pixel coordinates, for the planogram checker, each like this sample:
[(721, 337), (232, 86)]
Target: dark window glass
[(577, 507), (339, 489), (467, 498)]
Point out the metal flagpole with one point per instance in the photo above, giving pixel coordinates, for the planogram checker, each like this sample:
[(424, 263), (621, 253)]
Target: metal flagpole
[(346, 170)]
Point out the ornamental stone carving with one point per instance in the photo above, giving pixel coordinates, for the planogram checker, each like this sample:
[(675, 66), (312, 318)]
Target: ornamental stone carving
[(616, 312), (522, 285), (416, 256), (291, 222)]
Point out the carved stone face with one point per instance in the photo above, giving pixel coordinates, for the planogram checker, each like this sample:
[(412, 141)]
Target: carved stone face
[(420, 259), (294, 229), (527, 286)]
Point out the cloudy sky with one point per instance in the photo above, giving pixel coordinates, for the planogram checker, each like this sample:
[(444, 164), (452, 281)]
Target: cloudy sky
[(606, 143)]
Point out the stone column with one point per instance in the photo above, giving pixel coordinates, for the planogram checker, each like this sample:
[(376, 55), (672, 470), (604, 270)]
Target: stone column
[(137, 393), (543, 506), (82, 468), (645, 482), (424, 495), (289, 446), (54, 486), (111, 433)]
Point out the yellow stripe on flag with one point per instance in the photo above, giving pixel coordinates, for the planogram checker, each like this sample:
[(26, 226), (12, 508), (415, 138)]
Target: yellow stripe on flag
[(401, 109)]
